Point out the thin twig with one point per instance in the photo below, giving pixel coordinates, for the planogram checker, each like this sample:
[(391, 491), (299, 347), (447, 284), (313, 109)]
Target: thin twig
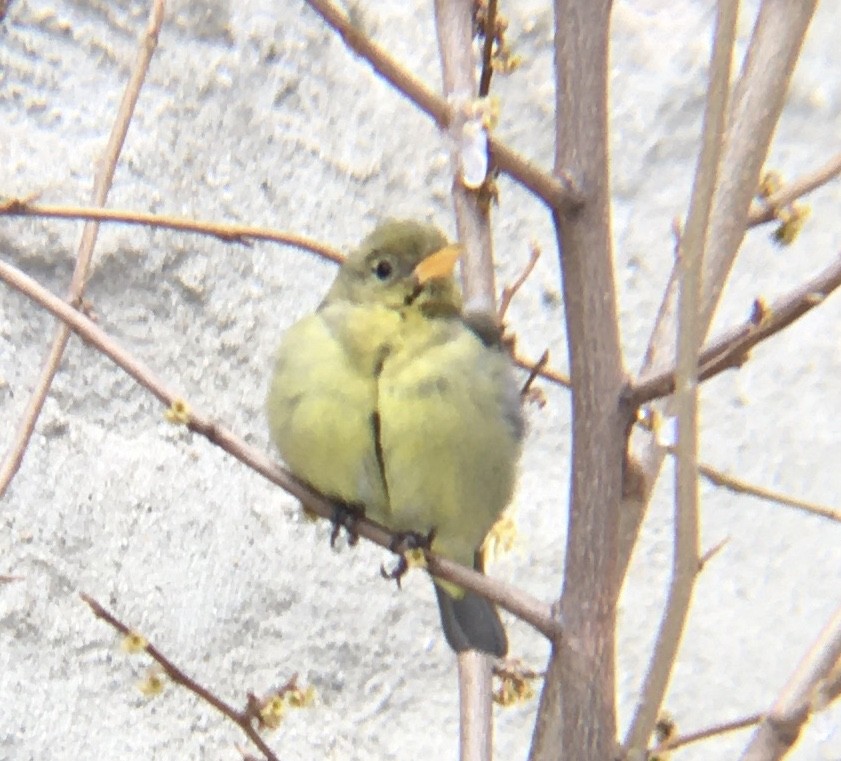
[(557, 192), (510, 291), (535, 372), (705, 734), (738, 486), (767, 210), (730, 348), (102, 184), (243, 719), (711, 553), (475, 685), (488, 49), (555, 376), (780, 727), (231, 233), (454, 28), (522, 605), (686, 563)]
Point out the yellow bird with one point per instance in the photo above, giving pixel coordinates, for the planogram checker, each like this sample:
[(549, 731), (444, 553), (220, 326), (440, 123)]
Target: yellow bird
[(387, 400)]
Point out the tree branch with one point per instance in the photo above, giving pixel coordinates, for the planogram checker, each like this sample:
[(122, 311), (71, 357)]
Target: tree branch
[(731, 347), (102, 184), (582, 664), (685, 560), (556, 192), (454, 24), (767, 210), (780, 728), (230, 233), (454, 27), (488, 49), (475, 682), (705, 734), (243, 719), (738, 486)]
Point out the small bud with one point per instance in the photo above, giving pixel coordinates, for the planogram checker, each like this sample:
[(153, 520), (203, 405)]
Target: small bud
[(792, 221), (178, 412), (133, 643), (153, 684)]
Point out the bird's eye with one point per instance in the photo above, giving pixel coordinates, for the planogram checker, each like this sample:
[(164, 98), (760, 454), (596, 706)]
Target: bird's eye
[(383, 269)]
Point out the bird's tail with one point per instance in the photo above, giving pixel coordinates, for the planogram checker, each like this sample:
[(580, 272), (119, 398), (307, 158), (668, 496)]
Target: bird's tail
[(471, 623)]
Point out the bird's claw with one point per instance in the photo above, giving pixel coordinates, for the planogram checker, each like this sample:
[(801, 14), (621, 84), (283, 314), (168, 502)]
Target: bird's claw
[(402, 543), (396, 573), (345, 516)]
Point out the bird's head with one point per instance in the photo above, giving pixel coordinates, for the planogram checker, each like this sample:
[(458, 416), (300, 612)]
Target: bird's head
[(401, 264)]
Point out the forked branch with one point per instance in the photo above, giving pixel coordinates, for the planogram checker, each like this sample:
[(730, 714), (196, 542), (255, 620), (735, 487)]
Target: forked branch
[(731, 348)]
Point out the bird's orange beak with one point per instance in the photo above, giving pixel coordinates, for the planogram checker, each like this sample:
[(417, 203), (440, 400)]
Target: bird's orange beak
[(438, 265)]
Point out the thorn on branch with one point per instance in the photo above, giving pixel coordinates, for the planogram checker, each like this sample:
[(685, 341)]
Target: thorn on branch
[(711, 553), (510, 291), (526, 392)]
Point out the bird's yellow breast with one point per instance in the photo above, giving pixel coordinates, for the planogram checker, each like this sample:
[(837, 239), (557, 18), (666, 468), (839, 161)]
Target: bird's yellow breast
[(323, 396), (412, 417)]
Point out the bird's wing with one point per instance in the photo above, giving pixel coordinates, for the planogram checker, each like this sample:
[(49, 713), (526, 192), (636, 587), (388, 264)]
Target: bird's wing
[(450, 431)]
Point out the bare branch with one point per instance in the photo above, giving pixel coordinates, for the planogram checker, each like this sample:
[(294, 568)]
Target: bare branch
[(742, 487), (781, 726), (510, 291), (243, 719), (767, 210), (582, 664), (230, 233), (730, 349), (538, 368), (498, 592), (454, 24), (686, 563), (102, 184), (711, 553), (705, 734), (555, 376), (488, 49), (556, 192), (475, 683)]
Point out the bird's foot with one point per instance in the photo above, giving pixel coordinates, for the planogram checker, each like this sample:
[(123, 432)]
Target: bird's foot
[(403, 543), (345, 516)]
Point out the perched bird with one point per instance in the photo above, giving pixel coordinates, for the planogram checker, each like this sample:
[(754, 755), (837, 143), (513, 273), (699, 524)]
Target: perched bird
[(387, 400)]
